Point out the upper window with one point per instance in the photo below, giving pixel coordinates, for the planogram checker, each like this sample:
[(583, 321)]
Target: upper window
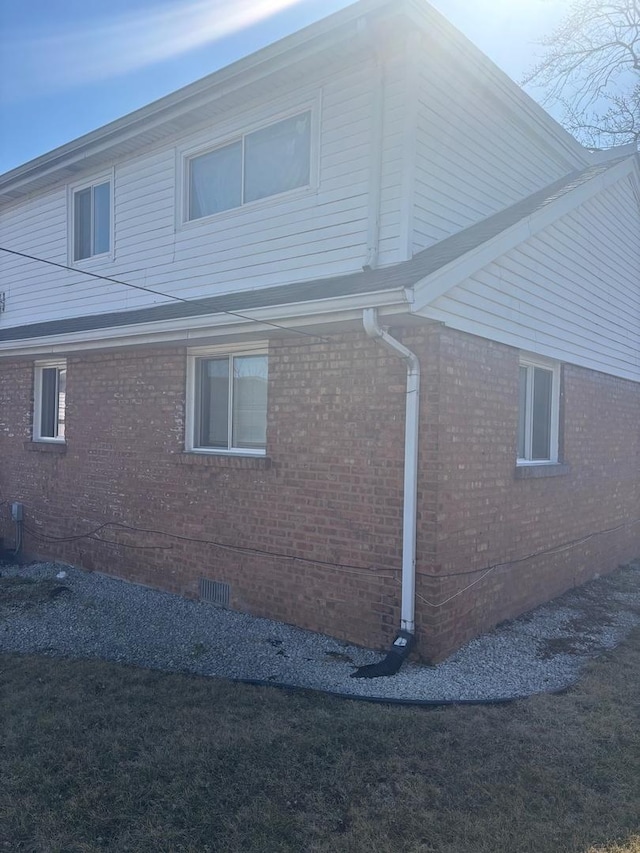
[(228, 402), (267, 162), (538, 411), (50, 387), (92, 220)]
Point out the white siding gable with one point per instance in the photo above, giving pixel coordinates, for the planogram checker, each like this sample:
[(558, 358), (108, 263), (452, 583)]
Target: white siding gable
[(475, 154), (571, 292)]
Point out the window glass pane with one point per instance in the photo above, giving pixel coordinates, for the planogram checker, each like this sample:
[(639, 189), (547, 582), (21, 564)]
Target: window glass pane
[(541, 425), (101, 218), (62, 400), (212, 410), (522, 414), (250, 401), (48, 402), (278, 158), (82, 224), (215, 181)]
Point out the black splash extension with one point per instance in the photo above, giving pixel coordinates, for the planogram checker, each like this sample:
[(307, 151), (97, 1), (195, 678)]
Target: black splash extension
[(401, 648)]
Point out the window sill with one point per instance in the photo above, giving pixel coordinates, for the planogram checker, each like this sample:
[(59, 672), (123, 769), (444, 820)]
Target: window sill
[(219, 460), (542, 469), (45, 446)]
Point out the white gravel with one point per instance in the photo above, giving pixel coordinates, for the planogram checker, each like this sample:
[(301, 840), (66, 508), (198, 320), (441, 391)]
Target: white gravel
[(101, 617)]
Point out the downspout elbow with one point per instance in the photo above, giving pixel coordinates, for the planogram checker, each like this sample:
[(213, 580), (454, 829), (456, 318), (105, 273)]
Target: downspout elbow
[(374, 330)]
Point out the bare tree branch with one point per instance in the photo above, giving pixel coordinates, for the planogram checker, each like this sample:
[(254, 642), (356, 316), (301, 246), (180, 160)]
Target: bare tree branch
[(591, 68)]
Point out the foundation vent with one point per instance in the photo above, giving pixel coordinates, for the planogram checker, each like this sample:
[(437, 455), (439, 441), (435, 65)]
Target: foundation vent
[(215, 592)]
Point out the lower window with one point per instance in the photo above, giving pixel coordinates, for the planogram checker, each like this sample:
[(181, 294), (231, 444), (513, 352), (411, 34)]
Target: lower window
[(228, 402), (538, 416), (49, 409)]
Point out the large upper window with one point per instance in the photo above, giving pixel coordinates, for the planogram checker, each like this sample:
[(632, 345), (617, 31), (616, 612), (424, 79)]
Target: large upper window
[(228, 402), (50, 387), (92, 220), (538, 411), (267, 162)]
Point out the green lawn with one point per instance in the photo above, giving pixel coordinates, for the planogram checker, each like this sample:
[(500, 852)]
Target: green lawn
[(96, 756)]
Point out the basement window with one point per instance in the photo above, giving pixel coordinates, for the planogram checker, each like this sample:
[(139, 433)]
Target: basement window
[(49, 409), (227, 402), (538, 411)]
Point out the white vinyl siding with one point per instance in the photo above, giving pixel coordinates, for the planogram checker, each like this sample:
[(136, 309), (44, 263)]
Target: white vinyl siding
[(571, 292), (317, 232), (474, 156)]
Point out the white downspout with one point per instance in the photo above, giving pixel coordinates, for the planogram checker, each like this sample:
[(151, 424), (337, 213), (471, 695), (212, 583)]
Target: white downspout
[(412, 410)]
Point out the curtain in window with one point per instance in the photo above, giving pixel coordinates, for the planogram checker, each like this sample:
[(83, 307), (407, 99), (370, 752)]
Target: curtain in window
[(49, 398), (101, 218), (250, 401), (278, 158), (522, 414), (82, 224), (541, 426), (215, 181), (213, 415), (62, 400)]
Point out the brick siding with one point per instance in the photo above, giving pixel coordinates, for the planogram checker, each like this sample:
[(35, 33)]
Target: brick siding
[(330, 488)]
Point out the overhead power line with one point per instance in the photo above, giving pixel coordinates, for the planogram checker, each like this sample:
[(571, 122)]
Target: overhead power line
[(154, 292)]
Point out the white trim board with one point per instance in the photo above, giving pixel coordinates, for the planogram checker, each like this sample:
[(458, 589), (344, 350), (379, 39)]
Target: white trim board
[(428, 289)]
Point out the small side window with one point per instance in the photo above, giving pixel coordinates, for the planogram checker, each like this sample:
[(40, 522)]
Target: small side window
[(538, 414), (91, 210), (49, 409)]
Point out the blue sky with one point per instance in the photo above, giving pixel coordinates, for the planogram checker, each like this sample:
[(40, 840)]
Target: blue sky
[(69, 67)]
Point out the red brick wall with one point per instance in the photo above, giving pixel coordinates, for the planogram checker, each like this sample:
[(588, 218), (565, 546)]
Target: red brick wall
[(331, 487), (330, 490), (486, 516)]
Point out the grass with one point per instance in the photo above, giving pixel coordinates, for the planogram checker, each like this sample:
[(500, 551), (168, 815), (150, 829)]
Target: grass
[(95, 756)]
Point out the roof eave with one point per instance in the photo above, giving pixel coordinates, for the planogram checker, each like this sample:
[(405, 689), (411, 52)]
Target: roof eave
[(439, 282), (344, 24), (268, 321)]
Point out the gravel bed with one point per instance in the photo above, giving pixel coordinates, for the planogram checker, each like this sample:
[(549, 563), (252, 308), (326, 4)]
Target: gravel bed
[(89, 615)]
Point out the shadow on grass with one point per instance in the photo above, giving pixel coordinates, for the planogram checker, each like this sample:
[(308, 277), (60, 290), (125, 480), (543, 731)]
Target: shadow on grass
[(96, 756)]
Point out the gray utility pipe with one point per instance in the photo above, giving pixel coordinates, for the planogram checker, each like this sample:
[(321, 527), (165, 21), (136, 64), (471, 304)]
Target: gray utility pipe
[(411, 427)]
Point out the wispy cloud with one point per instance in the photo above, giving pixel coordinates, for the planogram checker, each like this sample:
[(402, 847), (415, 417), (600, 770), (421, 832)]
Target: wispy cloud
[(110, 47)]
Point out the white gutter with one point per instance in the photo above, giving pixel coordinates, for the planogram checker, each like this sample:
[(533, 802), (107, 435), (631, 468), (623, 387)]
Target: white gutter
[(191, 330), (411, 427)]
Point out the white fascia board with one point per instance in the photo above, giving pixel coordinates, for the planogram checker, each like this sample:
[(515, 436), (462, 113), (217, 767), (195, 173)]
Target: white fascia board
[(430, 288), (191, 329), (300, 45), (535, 117)]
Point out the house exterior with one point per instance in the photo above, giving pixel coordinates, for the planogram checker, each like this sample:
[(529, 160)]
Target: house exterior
[(207, 310)]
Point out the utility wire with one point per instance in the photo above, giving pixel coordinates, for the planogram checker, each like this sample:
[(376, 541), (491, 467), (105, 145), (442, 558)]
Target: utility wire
[(242, 549), (557, 549), (157, 292), (371, 571)]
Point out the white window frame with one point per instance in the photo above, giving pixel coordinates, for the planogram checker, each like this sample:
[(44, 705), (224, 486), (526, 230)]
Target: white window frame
[(193, 355), (531, 362), (185, 156), (39, 366), (103, 178)]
